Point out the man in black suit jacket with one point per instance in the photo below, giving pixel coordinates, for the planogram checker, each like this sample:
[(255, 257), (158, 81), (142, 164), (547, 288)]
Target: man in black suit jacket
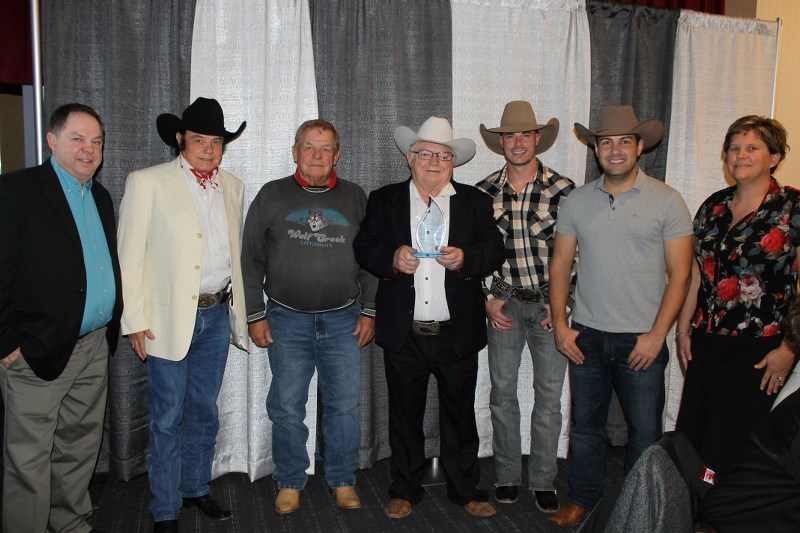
[(60, 304), (430, 309)]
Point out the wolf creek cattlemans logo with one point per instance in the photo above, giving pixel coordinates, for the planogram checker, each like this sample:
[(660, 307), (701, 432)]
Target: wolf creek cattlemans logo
[(319, 227)]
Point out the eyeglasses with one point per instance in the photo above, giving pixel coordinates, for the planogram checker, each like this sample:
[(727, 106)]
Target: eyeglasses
[(427, 154)]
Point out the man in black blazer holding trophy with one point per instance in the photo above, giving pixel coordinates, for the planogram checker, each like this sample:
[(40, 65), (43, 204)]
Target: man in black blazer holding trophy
[(431, 241)]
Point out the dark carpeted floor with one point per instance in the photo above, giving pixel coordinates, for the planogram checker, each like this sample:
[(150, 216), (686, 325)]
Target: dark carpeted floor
[(122, 507)]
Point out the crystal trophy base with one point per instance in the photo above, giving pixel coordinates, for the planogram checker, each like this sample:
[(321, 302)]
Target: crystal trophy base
[(427, 254)]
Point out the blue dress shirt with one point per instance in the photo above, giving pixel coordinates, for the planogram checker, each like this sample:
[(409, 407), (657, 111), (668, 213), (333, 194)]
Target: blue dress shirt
[(100, 283)]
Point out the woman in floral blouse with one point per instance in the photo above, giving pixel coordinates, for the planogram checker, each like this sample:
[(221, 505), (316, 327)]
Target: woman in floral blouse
[(745, 273)]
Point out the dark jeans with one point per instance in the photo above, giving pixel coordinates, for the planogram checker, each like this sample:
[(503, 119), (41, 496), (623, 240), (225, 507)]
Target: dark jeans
[(641, 395)]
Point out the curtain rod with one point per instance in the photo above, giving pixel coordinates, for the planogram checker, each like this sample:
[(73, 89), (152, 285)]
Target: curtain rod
[(775, 73), (37, 78)]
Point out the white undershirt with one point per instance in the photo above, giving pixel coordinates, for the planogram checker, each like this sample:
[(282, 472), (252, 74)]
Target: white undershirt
[(430, 302), (215, 267)]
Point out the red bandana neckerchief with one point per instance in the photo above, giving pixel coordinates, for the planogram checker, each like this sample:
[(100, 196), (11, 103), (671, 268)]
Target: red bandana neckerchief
[(206, 179)]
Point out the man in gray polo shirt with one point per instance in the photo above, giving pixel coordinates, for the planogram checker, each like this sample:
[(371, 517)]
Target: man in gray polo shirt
[(634, 234)]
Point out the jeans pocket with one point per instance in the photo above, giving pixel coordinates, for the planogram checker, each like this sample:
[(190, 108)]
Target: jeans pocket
[(273, 309), (581, 329)]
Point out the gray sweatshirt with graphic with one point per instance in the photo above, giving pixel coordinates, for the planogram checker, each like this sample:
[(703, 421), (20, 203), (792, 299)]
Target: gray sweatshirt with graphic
[(297, 248)]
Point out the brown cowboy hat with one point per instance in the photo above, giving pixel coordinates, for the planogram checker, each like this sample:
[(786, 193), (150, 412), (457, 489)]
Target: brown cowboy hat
[(203, 116), (519, 116), (621, 120)]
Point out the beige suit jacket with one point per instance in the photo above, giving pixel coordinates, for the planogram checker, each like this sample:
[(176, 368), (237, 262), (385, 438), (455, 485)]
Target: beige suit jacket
[(160, 250)]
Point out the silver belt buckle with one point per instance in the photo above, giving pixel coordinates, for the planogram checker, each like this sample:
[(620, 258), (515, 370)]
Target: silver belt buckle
[(528, 296), (428, 329), (206, 300)]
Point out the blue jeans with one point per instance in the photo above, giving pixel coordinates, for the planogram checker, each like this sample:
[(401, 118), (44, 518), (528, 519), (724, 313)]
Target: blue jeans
[(182, 403), (302, 342), (549, 368), (641, 395)]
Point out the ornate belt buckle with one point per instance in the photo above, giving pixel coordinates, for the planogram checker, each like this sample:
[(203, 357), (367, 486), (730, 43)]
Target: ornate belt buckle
[(206, 300), (528, 296), (428, 329)]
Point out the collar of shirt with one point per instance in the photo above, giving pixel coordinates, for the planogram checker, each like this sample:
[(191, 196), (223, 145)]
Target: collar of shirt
[(498, 181), (637, 183), (70, 183), (448, 190), (187, 171), (315, 188), (540, 176)]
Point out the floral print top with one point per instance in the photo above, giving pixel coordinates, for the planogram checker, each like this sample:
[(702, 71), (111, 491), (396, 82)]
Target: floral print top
[(748, 271)]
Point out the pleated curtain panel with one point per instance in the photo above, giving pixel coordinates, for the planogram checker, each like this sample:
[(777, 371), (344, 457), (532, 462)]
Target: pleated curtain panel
[(369, 66)]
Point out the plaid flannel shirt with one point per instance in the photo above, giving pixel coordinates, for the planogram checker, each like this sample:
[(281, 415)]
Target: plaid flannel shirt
[(528, 223)]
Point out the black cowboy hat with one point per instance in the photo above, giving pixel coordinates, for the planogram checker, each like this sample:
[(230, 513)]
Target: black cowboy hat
[(204, 116)]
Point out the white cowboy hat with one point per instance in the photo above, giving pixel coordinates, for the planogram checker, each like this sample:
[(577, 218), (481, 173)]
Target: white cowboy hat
[(435, 130)]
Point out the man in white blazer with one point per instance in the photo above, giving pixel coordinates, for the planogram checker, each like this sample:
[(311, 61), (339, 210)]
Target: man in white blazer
[(179, 237)]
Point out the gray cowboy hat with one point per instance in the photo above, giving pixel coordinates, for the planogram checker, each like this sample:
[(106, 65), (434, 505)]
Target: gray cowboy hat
[(203, 116), (435, 130), (621, 120), (519, 116)]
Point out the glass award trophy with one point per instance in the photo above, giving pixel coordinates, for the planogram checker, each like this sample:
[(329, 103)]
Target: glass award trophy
[(431, 232)]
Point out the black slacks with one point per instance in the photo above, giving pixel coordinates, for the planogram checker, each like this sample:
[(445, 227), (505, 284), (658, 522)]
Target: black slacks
[(407, 375), (722, 402)]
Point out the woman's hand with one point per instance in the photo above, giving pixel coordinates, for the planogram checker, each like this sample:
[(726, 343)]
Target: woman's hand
[(778, 363), (683, 341)]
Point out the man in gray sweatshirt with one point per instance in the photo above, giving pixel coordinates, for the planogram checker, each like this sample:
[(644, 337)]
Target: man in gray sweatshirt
[(298, 250)]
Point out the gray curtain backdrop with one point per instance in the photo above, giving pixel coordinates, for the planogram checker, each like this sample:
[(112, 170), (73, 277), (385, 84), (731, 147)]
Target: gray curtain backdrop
[(380, 63), (633, 48), (129, 61)]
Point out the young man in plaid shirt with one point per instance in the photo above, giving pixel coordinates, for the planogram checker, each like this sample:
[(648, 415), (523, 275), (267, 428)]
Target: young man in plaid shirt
[(526, 197)]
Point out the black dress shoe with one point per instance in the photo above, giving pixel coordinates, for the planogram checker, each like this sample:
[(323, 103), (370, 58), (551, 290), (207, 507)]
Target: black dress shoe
[(167, 526), (209, 506), (506, 494), (546, 500)]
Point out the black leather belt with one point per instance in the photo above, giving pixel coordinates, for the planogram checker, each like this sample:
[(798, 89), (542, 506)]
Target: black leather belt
[(207, 300), (527, 296), (428, 328)]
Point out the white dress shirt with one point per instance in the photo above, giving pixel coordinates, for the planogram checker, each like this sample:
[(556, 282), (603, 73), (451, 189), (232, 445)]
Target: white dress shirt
[(430, 302), (215, 269)]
